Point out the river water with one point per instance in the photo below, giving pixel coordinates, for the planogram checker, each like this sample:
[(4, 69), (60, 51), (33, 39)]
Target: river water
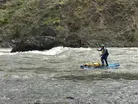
[(54, 77)]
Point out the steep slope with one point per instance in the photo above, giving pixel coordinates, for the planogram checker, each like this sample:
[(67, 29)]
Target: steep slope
[(75, 23)]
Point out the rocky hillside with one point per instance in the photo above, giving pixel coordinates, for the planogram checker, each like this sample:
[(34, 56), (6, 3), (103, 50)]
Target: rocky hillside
[(74, 23)]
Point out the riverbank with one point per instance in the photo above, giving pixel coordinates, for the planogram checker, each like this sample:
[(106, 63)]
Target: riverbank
[(72, 23)]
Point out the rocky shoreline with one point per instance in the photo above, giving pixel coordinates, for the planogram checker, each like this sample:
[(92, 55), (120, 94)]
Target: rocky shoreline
[(43, 25)]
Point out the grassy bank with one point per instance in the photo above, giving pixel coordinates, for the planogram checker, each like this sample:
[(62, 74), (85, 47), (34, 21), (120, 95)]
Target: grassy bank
[(113, 22)]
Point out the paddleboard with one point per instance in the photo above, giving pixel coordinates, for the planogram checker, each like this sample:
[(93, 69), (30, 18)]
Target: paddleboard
[(110, 65)]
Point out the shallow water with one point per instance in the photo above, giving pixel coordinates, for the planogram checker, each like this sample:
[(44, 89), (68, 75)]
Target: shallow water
[(54, 77)]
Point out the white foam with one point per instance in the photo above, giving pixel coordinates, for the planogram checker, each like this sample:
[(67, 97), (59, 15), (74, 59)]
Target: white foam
[(82, 49), (53, 51), (6, 51)]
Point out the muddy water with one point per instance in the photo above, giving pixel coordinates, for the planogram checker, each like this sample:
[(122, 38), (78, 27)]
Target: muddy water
[(54, 77)]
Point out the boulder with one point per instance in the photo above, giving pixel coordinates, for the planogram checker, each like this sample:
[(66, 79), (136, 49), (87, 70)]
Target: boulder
[(34, 43), (73, 40)]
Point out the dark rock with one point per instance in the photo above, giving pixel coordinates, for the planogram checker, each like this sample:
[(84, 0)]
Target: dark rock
[(2, 1), (73, 40), (70, 97), (47, 31), (43, 30), (35, 43)]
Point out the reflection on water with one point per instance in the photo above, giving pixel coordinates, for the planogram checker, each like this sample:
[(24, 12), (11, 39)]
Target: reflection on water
[(54, 76)]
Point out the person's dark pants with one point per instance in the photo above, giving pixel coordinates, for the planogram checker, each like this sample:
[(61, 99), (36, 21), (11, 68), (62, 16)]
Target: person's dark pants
[(104, 58)]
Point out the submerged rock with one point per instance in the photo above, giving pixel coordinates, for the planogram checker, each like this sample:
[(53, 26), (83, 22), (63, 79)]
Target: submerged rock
[(70, 97), (35, 43)]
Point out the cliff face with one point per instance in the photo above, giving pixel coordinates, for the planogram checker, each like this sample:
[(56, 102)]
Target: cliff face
[(83, 22)]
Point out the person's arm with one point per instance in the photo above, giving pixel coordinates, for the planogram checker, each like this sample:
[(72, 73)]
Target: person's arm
[(99, 49)]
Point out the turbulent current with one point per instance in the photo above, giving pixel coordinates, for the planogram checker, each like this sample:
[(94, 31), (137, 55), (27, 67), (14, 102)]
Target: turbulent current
[(54, 77)]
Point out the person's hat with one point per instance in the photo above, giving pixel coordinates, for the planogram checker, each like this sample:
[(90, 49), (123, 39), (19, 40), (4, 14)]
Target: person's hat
[(102, 45)]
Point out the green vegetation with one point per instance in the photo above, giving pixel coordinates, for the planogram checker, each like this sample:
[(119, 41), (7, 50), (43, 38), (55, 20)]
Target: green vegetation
[(3, 21), (52, 21), (109, 21)]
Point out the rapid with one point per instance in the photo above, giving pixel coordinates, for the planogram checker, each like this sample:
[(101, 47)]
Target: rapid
[(54, 77)]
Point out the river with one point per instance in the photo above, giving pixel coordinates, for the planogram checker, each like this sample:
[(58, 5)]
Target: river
[(54, 77)]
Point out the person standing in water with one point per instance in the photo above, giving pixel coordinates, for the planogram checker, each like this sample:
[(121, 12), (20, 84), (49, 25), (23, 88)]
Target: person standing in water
[(104, 54)]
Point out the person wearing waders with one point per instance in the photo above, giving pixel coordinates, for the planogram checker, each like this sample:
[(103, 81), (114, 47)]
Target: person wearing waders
[(104, 54)]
